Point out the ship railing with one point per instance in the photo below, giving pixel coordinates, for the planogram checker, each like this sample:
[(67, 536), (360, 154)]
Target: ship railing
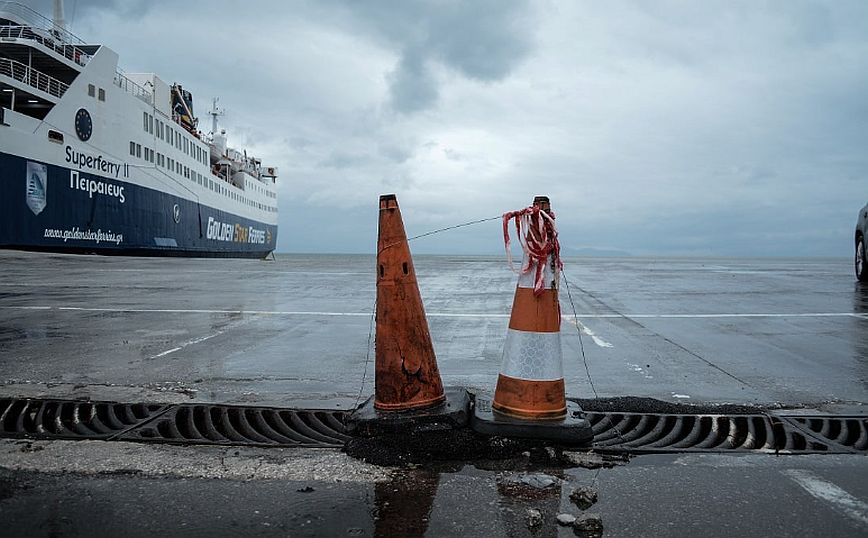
[(127, 85), (70, 52), (32, 77), (35, 19)]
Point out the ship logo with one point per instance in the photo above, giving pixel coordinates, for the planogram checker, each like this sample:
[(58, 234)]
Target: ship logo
[(268, 235), (36, 186), (176, 213)]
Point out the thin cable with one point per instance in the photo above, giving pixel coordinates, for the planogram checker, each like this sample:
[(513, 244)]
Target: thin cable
[(367, 354), (463, 224), (579, 332), (432, 232), (584, 357)]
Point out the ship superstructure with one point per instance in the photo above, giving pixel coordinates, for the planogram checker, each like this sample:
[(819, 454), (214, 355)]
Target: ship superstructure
[(93, 159)]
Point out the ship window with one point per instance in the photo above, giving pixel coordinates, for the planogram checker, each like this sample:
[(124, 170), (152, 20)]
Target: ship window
[(55, 136), (145, 120), (132, 148), (150, 124), (139, 151), (170, 140), (101, 94), (91, 90)]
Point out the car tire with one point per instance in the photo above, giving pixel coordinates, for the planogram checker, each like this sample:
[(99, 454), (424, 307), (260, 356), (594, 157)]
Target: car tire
[(861, 260)]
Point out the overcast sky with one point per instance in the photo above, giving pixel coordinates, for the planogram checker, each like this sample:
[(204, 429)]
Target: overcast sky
[(657, 128)]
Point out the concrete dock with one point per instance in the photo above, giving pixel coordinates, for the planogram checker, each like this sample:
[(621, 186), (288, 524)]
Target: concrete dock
[(294, 332)]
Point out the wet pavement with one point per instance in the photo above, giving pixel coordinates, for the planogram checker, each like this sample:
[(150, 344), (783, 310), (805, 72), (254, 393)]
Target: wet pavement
[(294, 332), (686, 495)]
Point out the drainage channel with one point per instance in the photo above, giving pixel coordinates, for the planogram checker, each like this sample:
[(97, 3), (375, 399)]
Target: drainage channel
[(182, 424), (614, 432), (780, 433)]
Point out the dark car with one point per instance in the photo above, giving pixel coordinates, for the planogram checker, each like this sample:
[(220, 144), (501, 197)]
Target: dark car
[(861, 234)]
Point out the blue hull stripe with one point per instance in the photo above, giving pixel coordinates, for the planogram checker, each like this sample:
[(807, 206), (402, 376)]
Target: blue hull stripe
[(54, 208)]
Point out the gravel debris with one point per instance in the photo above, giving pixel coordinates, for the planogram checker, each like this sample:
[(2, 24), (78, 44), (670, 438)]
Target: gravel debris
[(533, 518), (583, 497)]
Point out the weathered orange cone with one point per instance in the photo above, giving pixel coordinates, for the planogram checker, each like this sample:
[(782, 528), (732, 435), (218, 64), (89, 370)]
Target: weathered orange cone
[(406, 368), (531, 380)]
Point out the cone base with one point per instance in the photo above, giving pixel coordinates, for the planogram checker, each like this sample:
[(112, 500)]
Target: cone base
[(405, 406), (452, 413), (530, 399), (574, 429)]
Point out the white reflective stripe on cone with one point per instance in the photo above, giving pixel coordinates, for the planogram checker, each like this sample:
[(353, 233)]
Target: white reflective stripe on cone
[(526, 280), (533, 356)]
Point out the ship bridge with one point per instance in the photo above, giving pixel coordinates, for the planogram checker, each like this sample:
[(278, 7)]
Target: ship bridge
[(38, 60)]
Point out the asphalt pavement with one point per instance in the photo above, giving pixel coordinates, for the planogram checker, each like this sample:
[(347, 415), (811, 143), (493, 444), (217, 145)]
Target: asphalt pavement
[(294, 332)]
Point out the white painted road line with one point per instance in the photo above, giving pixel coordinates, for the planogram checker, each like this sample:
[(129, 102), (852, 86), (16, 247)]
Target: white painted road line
[(597, 340), (826, 491), (185, 344), (479, 315)]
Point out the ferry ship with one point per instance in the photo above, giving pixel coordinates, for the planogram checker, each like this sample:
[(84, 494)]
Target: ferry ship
[(95, 160)]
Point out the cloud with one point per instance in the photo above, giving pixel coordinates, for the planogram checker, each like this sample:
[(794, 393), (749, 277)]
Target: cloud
[(412, 86), (483, 40), (656, 128)]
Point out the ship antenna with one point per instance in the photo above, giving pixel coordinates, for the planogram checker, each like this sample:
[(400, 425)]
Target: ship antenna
[(214, 112), (59, 22)]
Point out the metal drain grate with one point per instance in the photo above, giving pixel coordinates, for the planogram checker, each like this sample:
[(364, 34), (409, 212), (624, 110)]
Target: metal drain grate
[(57, 419), (182, 424), (250, 426), (848, 431), (263, 426), (657, 433)]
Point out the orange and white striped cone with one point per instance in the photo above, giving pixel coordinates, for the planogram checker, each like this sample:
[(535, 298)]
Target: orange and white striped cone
[(531, 380), (530, 400)]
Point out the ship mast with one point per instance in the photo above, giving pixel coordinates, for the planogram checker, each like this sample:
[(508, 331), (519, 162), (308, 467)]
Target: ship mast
[(59, 20), (214, 112)]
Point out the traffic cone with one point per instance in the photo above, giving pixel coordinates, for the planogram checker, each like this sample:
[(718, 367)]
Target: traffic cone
[(529, 400), (531, 380), (406, 368)]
